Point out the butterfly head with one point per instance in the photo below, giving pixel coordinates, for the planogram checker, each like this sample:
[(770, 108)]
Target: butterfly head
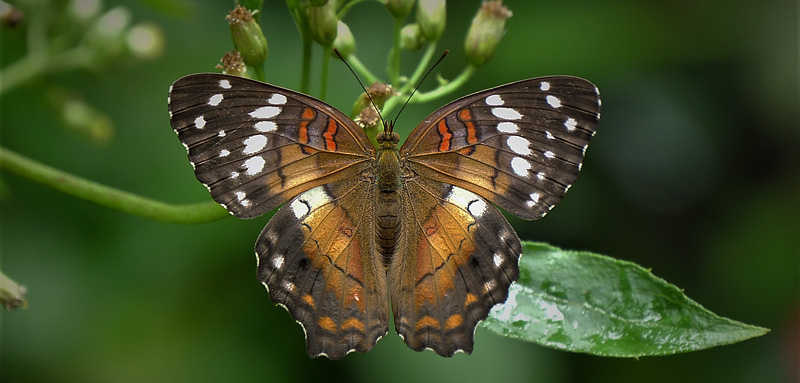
[(388, 139)]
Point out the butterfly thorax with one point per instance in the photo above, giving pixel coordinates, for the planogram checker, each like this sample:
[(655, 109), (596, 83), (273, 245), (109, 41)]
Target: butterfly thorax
[(388, 162)]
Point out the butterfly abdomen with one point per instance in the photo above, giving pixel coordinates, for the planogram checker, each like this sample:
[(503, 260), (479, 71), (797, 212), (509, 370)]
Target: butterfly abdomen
[(387, 184)]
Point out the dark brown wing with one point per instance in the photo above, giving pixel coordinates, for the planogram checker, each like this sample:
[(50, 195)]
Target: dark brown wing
[(255, 145), (519, 145)]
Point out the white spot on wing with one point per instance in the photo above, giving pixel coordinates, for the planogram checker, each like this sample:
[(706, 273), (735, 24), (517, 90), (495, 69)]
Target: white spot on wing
[(540, 176), (498, 260), (224, 153), (477, 208), (221, 133), (534, 199), (308, 201), (200, 122), (554, 101), (506, 113), (571, 124), (254, 144), (277, 99), (265, 112), (242, 198), (507, 127), (266, 126), (545, 86), (224, 84), (549, 135), (466, 199), (215, 100), (234, 174), (494, 100), (520, 166), (277, 262), (254, 165), (549, 154), (519, 145)]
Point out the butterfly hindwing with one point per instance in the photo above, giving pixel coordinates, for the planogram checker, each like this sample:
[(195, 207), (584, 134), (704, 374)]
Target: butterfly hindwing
[(317, 257), (519, 145), (255, 145), (456, 257)]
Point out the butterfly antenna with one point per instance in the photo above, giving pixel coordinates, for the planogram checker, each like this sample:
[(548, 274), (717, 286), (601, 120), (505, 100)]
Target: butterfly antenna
[(362, 87), (421, 81)]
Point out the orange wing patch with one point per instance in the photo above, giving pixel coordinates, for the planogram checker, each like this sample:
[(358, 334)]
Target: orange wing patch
[(444, 132), (440, 253)]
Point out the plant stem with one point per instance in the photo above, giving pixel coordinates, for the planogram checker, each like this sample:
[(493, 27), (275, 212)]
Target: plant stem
[(107, 196), (259, 71), (305, 76), (394, 56), (362, 70), (412, 81), (34, 65), (326, 63), (457, 82)]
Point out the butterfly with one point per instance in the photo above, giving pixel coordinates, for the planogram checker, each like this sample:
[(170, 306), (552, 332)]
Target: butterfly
[(367, 232)]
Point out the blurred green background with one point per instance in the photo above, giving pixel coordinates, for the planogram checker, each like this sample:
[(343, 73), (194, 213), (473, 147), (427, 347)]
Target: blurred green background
[(693, 173)]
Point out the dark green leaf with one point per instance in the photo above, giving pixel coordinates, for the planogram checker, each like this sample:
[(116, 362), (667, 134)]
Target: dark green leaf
[(584, 302)]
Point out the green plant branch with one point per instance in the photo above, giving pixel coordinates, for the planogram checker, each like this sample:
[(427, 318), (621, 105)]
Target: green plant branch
[(362, 70), (413, 80), (305, 76), (394, 55), (109, 197), (36, 64), (451, 86), (259, 72), (342, 12), (326, 63)]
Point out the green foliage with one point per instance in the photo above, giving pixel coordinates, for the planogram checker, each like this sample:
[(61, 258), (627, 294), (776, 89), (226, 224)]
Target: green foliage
[(585, 302), (109, 291)]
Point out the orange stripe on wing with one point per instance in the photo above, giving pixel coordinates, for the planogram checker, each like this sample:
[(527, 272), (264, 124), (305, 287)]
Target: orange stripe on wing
[(330, 133), (307, 116), (466, 116), (444, 131), (472, 135)]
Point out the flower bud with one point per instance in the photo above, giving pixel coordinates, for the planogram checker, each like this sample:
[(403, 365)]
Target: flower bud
[(323, 23), (10, 16), (366, 115), (485, 32), (232, 64), (145, 41), (411, 37), (431, 16), (247, 36), (400, 8), (84, 10), (344, 41), (81, 118)]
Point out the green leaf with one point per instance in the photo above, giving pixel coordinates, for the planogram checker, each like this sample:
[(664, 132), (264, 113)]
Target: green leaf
[(584, 302)]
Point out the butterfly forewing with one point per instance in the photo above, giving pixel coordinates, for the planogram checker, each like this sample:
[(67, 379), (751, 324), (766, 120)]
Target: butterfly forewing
[(255, 145), (519, 145)]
